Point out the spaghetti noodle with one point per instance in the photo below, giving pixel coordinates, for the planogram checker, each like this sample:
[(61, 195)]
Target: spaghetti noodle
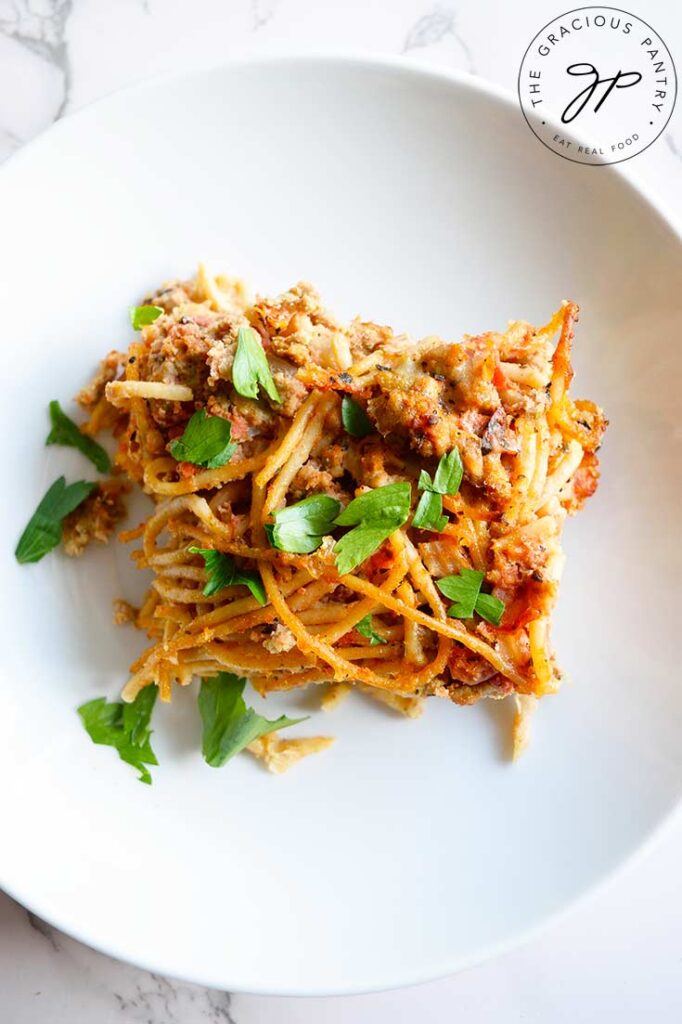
[(528, 454)]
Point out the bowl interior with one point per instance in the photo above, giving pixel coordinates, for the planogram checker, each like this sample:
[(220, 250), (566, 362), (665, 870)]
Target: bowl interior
[(412, 847)]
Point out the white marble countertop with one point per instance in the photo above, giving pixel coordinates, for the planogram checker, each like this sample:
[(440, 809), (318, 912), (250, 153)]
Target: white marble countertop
[(619, 955)]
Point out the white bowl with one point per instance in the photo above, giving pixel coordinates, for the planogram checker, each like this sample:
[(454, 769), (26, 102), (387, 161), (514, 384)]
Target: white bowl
[(412, 848)]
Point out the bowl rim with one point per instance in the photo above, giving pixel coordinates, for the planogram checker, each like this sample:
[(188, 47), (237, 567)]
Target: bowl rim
[(418, 68), (361, 59)]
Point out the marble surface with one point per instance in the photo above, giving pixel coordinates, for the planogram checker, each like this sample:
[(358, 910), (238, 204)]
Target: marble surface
[(619, 955)]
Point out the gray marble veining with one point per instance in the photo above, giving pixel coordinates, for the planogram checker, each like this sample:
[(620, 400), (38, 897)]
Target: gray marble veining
[(262, 12), (433, 27), (41, 28)]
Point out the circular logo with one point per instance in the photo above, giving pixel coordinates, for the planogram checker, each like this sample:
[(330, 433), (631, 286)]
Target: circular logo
[(597, 85)]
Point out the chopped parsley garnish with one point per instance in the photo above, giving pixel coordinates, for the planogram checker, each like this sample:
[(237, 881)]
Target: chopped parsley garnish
[(250, 369), (429, 513), (65, 431), (44, 530), (124, 727), (356, 422), (229, 725), (366, 629), (490, 608), (221, 571), (446, 480), (465, 590), (205, 441), (448, 475), (300, 528), (141, 316), (374, 516)]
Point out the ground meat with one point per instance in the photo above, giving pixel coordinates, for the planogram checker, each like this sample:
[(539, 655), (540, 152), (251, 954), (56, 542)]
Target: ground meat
[(301, 330), (193, 346), (109, 370), (432, 400), (178, 348), (521, 554), (280, 640), (444, 396), (495, 477), (373, 463), (495, 688), (96, 517), (249, 419), (583, 485), (170, 295), (467, 667), (467, 369), (302, 300), (220, 357), (367, 337), (292, 392), (498, 436), (203, 292), (124, 612), (416, 409), (311, 479), (333, 459), (408, 407)]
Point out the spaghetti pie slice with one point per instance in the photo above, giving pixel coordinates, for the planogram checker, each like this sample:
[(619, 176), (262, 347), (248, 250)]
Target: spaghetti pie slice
[(335, 503)]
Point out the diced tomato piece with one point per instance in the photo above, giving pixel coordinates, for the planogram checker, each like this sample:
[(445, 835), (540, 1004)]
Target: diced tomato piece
[(499, 379)]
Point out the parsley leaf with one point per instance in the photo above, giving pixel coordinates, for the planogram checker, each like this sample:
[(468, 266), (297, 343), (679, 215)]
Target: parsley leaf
[(356, 422), (428, 514), (300, 528), (490, 608), (65, 431), (448, 475), (366, 629), (124, 727), (250, 368), (465, 590), (447, 478), (382, 504), (229, 725), (222, 572), (141, 316), (355, 547), (44, 530), (205, 441), (375, 515)]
